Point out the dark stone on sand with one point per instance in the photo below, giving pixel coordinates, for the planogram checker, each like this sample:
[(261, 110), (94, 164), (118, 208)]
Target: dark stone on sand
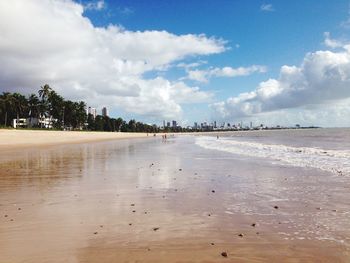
[(213, 191), (276, 207), (240, 235), (101, 226), (132, 205), (130, 224), (155, 228), (209, 214), (257, 233), (224, 254), (11, 219), (6, 215), (180, 170), (212, 244), (19, 208), (95, 233), (133, 211), (318, 208), (253, 225)]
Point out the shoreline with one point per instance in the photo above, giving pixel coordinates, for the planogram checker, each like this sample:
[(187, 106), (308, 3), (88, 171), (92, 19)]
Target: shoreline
[(20, 139)]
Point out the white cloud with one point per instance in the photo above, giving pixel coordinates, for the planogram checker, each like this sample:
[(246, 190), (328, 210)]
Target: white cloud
[(205, 75), (267, 8), (332, 43), (98, 5), (323, 78), (52, 42)]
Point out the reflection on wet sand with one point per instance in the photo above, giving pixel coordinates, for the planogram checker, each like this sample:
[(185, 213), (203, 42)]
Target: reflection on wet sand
[(156, 201)]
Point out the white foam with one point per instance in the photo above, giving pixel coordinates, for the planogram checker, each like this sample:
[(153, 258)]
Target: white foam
[(335, 161)]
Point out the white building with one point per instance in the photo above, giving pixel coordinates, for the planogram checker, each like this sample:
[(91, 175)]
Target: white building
[(92, 111)]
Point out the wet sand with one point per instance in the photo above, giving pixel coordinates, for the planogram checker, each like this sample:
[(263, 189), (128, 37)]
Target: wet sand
[(147, 200)]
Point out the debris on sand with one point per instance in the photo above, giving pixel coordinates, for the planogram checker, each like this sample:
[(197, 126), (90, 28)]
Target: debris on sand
[(224, 254), (95, 233), (155, 228), (276, 207), (253, 225), (240, 235), (132, 205), (213, 191)]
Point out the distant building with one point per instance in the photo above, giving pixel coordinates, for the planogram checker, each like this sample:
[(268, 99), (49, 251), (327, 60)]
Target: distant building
[(174, 124), (163, 123), (168, 124), (105, 112), (195, 126), (92, 111)]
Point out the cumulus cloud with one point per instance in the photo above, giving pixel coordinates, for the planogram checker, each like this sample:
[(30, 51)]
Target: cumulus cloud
[(52, 42), (267, 8), (332, 43), (323, 78), (98, 5), (205, 75)]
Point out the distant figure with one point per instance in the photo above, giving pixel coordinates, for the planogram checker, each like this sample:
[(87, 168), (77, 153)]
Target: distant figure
[(154, 135), (217, 137)]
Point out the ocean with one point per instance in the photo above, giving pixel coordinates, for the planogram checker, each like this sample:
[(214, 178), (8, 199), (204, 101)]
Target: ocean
[(324, 149)]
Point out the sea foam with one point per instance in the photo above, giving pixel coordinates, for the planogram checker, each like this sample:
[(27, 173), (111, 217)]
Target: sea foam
[(335, 161)]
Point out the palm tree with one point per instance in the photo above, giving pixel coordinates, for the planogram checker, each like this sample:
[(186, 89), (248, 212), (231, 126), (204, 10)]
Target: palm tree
[(44, 92), (8, 102), (20, 104)]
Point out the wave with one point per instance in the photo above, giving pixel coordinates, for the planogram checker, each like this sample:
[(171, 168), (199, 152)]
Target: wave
[(335, 161)]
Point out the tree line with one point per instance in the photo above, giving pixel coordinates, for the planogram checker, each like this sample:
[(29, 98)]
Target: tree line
[(64, 113)]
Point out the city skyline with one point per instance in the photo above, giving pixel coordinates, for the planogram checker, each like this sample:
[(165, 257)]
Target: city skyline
[(263, 62)]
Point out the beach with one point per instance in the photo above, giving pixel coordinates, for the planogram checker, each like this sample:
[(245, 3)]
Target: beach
[(102, 197)]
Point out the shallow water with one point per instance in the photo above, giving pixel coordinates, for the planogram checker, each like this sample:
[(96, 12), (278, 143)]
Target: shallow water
[(103, 202)]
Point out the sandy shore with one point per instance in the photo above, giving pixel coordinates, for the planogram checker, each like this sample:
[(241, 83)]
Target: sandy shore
[(10, 139), (149, 200)]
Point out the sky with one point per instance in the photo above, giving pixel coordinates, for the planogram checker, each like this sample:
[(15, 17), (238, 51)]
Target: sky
[(271, 62)]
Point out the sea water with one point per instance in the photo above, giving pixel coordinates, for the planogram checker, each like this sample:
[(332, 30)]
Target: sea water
[(325, 149)]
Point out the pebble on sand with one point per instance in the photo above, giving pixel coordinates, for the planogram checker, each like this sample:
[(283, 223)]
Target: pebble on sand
[(240, 235), (155, 228), (253, 225), (213, 191), (276, 207), (95, 233), (224, 254)]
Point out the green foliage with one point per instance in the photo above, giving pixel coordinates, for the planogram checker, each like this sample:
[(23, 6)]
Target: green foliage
[(66, 113)]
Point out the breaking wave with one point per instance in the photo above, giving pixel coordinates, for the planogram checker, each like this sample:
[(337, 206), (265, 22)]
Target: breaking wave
[(335, 161)]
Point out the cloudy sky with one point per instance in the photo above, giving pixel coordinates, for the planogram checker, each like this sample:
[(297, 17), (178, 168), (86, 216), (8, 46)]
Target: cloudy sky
[(272, 62)]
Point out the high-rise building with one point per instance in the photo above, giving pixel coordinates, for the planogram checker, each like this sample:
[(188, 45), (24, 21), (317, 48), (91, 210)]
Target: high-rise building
[(168, 124), (92, 111), (163, 123), (104, 112), (174, 124)]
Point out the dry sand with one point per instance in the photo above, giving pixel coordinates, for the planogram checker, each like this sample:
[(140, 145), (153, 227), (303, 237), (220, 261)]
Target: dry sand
[(10, 138), (149, 200)]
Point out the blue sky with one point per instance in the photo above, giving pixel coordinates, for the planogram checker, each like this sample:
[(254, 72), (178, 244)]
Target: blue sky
[(257, 37)]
